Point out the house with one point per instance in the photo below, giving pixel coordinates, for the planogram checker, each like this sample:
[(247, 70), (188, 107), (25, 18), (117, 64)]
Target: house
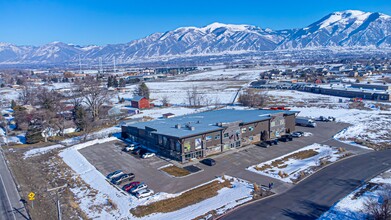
[(199, 135), (140, 102)]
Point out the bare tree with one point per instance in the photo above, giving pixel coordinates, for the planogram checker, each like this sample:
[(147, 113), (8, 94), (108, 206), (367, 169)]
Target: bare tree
[(253, 98), (94, 94), (217, 101), (380, 209), (48, 99), (207, 101), (194, 97), (165, 100), (27, 95)]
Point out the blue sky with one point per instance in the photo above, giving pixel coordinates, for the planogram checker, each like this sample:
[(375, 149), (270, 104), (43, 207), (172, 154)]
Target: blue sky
[(84, 22)]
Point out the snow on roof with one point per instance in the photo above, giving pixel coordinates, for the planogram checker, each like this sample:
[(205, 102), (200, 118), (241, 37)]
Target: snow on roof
[(206, 121), (137, 98)]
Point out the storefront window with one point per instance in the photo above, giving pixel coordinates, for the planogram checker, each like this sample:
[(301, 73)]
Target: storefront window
[(178, 146), (197, 143)]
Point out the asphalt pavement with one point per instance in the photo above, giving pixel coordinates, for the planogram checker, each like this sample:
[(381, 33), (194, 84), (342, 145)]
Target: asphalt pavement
[(315, 195), (10, 206)]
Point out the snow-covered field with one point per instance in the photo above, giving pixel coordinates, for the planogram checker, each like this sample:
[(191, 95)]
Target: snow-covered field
[(9, 94), (221, 91), (352, 207), (292, 97), (42, 150), (157, 113), (288, 167), (224, 74), (95, 135), (369, 125), (227, 198)]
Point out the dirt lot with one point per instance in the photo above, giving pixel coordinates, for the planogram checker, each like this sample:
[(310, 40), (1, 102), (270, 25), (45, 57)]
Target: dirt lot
[(39, 173)]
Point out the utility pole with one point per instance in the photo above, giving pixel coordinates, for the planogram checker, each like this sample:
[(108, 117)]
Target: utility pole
[(79, 64), (100, 65), (57, 189), (114, 64)]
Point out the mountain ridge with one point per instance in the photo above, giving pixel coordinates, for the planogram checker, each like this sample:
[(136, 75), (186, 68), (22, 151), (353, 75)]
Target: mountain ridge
[(345, 29)]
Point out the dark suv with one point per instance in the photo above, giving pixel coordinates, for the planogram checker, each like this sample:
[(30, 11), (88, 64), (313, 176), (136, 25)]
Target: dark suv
[(208, 161), (123, 177)]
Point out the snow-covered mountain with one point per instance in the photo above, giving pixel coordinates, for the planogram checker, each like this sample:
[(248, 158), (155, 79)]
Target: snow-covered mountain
[(346, 29), (349, 28), (215, 38)]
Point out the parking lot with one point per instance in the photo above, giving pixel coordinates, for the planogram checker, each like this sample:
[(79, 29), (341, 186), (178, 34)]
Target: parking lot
[(108, 157)]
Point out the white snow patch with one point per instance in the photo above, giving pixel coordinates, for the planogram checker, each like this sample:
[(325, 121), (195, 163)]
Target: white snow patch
[(292, 167), (39, 151)]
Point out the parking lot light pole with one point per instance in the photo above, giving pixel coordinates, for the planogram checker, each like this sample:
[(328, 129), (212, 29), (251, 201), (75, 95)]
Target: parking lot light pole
[(57, 189)]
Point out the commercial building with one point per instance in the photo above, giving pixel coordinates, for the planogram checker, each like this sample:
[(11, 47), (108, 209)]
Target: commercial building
[(349, 92), (373, 86), (202, 134)]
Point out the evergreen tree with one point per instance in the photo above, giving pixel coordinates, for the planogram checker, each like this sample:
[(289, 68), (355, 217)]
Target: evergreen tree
[(34, 133), (80, 115), (143, 90), (109, 82), (122, 82), (115, 82), (13, 104)]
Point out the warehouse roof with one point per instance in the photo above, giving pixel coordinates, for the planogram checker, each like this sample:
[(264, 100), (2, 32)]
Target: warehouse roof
[(198, 123)]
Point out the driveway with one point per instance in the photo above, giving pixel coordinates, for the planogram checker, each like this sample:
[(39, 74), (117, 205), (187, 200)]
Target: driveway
[(108, 157)]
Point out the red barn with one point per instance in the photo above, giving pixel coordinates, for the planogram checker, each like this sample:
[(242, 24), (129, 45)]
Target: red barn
[(140, 102)]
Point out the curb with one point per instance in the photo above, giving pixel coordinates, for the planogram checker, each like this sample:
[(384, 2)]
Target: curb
[(276, 194)]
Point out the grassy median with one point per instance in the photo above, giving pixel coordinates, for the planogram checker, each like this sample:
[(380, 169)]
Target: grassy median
[(175, 171), (187, 198)]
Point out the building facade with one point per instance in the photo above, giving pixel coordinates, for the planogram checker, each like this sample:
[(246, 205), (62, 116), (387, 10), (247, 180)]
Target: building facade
[(203, 134)]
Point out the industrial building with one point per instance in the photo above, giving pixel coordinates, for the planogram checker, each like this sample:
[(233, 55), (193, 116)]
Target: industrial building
[(199, 135), (350, 92)]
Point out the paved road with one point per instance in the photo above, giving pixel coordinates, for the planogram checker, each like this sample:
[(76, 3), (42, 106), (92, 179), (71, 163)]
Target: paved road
[(9, 196), (315, 195)]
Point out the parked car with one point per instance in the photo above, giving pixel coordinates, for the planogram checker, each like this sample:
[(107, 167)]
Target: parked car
[(306, 122), (208, 161), (144, 193), (297, 134), (123, 177), (272, 142), (138, 188), (286, 138), (129, 186), (262, 144), (148, 155), (129, 148), (114, 174), (323, 118)]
